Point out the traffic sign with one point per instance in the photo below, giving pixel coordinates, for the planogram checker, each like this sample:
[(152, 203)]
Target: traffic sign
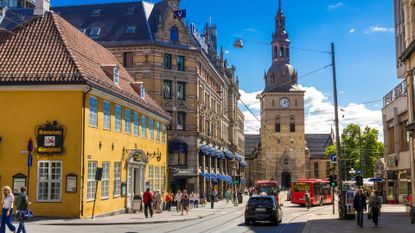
[(333, 157)]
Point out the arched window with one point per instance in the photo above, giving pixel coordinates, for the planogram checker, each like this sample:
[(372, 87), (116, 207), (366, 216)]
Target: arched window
[(316, 169), (287, 52), (282, 51), (174, 34), (292, 124), (277, 124), (275, 52)]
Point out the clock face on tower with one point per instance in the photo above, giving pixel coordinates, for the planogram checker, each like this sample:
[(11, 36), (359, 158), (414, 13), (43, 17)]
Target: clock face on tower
[(284, 102)]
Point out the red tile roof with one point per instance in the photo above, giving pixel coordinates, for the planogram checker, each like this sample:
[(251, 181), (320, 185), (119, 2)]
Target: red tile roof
[(49, 50)]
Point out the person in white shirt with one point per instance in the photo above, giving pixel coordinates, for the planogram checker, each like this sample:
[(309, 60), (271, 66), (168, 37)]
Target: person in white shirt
[(7, 210)]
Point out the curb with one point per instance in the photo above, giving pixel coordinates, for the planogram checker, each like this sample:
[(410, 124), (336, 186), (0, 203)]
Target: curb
[(121, 223)]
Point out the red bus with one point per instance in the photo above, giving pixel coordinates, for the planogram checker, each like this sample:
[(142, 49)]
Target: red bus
[(319, 191), (270, 187)]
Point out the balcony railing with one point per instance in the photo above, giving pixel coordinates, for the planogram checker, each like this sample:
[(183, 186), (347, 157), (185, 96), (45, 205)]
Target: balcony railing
[(397, 92)]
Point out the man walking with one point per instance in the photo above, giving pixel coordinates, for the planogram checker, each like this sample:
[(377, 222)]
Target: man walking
[(375, 203), (148, 202), (212, 198), (22, 204), (359, 204)]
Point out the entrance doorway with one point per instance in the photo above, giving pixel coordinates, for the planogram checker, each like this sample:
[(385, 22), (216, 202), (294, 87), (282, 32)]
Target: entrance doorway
[(286, 180), (136, 175)]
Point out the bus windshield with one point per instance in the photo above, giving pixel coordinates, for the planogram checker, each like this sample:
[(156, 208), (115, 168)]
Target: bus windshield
[(301, 187), (269, 190)]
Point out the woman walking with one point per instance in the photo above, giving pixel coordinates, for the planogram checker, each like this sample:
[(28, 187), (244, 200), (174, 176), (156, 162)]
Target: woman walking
[(375, 203), (177, 200), (185, 202), (7, 211)]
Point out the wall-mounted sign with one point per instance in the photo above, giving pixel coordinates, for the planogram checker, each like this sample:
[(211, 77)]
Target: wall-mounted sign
[(198, 37), (50, 138), (71, 183), (19, 180), (184, 172)]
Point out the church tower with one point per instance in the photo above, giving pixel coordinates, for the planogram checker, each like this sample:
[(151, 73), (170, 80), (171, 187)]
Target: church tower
[(282, 113)]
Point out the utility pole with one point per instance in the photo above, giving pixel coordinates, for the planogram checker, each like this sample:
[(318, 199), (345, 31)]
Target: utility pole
[(336, 122)]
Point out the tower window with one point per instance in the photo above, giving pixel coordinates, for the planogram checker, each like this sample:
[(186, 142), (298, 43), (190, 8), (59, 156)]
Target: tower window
[(282, 51), (277, 124), (292, 124), (273, 103)]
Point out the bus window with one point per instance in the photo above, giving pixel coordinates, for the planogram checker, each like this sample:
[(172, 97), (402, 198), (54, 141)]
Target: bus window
[(267, 189), (301, 187)]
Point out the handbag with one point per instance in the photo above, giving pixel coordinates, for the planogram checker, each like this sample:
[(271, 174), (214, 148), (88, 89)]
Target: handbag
[(369, 214), (24, 215)]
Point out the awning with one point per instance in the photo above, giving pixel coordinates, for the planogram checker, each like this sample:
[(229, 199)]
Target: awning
[(376, 180), (206, 150), (243, 180), (175, 146), (238, 157), (243, 163), (219, 154), (228, 154)]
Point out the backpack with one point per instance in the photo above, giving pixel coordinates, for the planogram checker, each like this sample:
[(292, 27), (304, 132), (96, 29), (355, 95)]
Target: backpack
[(21, 202)]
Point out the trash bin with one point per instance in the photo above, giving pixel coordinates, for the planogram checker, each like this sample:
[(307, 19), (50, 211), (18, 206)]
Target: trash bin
[(137, 204), (349, 211)]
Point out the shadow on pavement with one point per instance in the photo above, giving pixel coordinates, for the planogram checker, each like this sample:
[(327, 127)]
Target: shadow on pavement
[(265, 227)]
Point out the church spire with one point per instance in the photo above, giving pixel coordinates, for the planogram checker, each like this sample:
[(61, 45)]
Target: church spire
[(279, 5)]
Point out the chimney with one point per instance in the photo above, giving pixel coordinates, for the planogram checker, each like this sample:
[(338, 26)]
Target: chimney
[(138, 88), (41, 7)]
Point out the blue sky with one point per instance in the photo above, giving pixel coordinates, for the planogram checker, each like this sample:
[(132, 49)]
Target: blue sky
[(362, 31)]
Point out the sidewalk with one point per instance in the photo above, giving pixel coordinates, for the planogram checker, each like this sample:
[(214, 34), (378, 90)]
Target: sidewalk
[(393, 219), (139, 218)]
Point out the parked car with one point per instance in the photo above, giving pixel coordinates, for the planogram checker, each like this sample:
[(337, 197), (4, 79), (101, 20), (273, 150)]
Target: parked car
[(263, 208)]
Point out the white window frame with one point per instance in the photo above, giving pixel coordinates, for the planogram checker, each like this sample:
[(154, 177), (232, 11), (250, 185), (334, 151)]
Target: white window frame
[(162, 178), (91, 180), (117, 179), (93, 111), (127, 121), (105, 181), (157, 130), (163, 133), (118, 118), (151, 128), (107, 115), (136, 119), (143, 126), (49, 180), (150, 177), (157, 178)]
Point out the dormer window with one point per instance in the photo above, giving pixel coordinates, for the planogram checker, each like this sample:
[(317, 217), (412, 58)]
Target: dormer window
[(174, 34), (142, 91), (96, 12), (116, 75), (130, 29), (95, 31), (130, 10), (83, 30)]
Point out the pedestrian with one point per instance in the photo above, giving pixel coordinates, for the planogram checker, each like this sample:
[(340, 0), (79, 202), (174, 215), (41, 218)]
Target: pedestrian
[(148, 202), (159, 200), (7, 211), (178, 200), (227, 196), (375, 203), (168, 201), (359, 204), (192, 199), (196, 200), (22, 204), (185, 202), (212, 198), (307, 200), (235, 197), (203, 199)]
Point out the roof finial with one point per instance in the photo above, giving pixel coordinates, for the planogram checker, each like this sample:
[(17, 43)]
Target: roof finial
[(279, 5)]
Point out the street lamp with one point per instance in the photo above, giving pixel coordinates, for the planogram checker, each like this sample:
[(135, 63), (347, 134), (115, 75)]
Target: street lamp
[(352, 172)]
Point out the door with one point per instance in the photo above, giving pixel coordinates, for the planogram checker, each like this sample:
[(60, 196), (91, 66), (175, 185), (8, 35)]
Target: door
[(286, 180)]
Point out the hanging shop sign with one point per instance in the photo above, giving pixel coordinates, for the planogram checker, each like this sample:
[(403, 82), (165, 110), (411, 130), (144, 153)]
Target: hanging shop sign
[(49, 138)]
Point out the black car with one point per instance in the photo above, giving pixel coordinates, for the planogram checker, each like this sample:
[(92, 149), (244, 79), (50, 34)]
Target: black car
[(263, 208)]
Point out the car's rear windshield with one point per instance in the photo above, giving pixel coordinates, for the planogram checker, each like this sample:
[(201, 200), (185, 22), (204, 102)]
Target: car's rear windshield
[(261, 201)]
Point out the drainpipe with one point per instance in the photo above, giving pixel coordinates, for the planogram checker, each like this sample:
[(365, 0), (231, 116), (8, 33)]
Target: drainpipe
[(83, 149)]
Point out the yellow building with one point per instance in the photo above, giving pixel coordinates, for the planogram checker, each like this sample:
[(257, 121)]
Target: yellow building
[(82, 111)]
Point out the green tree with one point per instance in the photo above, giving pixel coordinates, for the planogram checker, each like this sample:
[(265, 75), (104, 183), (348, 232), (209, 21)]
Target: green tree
[(356, 143)]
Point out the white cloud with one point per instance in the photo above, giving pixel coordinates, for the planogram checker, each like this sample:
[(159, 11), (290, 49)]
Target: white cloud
[(377, 29), (335, 6), (227, 51), (352, 30), (342, 92), (319, 113)]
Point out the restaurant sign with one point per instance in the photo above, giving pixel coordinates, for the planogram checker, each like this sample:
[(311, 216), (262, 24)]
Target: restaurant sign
[(184, 172), (50, 138)]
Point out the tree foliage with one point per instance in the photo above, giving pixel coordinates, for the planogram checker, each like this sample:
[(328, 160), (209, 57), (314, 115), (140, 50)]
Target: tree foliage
[(359, 147)]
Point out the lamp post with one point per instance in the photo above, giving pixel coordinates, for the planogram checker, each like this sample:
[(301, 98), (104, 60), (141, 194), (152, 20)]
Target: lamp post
[(352, 172)]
